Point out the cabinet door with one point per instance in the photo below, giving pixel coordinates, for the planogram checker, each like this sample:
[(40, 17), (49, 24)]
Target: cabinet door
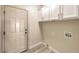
[(45, 13), (54, 14), (70, 11)]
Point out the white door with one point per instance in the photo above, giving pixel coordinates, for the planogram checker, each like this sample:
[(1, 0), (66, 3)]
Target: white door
[(15, 26)]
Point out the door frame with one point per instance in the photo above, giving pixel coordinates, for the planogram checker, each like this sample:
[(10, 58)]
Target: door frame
[(3, 27)]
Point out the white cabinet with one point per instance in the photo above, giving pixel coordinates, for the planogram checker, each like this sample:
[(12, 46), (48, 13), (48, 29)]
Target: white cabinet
[(60, 12), (70, 11), (51, 13), (54, 13), (45, 12)]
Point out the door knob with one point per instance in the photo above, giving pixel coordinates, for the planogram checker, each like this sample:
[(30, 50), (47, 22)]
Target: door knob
[(26, 32)]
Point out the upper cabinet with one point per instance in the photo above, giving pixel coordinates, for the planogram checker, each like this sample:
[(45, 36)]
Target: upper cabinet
[(49, 13), (70, 11), (54, 12), (60, 12), (45, 13)]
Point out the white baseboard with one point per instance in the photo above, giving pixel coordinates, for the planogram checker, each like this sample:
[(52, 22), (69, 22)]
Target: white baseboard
[(53, 49), (33, 46), (45, 44)]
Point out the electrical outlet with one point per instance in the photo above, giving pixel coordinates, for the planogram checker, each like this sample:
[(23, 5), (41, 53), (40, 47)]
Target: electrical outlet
[(68, 35)]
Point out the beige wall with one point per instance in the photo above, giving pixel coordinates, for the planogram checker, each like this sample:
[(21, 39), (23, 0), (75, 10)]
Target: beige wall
[(0, 28), (34, 31), (53, 34), (34, 36)]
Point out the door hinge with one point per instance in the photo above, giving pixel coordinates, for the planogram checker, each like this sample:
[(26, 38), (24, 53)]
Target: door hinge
[(4, 12), (3, 33)]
